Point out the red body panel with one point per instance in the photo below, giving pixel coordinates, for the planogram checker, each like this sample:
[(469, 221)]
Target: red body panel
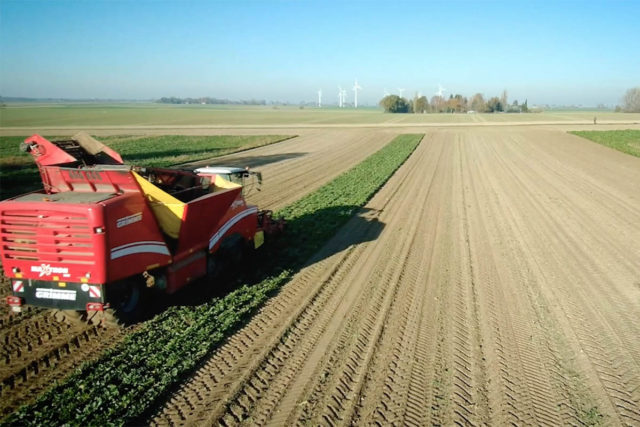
[(47, 153), (201, 216), (52, 241), (134, 240)]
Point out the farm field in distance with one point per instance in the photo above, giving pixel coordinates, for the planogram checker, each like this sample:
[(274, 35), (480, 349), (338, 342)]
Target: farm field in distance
[(494, 279), (165, 115)]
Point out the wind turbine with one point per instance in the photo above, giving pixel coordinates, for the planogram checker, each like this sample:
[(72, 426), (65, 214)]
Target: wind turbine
[(319, 98), (344, 96), (340, 94), (356, 87), (400, 90), (440, 90)]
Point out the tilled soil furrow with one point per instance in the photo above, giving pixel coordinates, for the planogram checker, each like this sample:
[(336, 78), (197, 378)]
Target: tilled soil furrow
[(492, 281), (568, 399), (226, 374), (344, 370), (270, 370), (24, 336), (500, 291), (590, 333), (35, 371), (384, 394)]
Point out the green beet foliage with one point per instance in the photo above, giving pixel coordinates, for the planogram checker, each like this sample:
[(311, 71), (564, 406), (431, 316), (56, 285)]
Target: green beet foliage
[(127, 380)]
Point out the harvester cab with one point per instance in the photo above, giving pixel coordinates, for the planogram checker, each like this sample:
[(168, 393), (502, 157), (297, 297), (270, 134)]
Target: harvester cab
[(247, 178)]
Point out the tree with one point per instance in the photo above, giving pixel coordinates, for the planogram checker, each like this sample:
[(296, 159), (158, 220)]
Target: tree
[(494, 104), (420, 104), (394, 104), (524, 107), (504, 100), (631, 100), (438, 104), (478, 103)]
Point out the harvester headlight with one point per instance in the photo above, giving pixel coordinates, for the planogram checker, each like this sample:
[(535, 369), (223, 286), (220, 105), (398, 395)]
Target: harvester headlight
[(99, 230), (15, 270), (88, 275)]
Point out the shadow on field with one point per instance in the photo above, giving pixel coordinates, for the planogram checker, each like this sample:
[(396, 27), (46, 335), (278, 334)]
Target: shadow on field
[(306, 240), (148, 157), (251, 161)]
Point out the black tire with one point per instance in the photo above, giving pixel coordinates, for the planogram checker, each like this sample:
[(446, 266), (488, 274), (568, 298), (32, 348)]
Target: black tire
[(128, 304)]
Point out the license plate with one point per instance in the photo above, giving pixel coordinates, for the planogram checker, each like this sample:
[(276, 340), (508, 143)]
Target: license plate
[(61, 294)]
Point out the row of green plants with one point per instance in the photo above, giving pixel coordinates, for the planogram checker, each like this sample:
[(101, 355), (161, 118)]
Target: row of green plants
[(126, 381), (19, 173), (627, 141)]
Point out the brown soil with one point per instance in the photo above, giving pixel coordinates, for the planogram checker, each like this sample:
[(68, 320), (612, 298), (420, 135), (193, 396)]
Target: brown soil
[(497, 284), (38, 350)]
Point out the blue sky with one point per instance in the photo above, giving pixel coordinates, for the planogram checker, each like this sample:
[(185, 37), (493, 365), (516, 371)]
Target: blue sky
[(555, 52)]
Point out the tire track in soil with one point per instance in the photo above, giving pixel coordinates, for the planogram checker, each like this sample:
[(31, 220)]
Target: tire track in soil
[(504, 294), (394, 391), (599, 325), (313, 311), (39, 350), (515, 346), (333, 400), (473, 306), (516, 319)]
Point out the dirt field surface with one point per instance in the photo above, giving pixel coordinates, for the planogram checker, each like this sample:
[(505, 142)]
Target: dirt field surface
[(494, 280), (37, 350)]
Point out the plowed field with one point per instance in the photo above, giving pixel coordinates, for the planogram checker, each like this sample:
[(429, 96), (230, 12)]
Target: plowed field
[(500, 284), (496, 280)]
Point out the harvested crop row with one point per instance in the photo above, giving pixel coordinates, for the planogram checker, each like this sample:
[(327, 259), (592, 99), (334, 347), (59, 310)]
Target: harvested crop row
[(128, 379)]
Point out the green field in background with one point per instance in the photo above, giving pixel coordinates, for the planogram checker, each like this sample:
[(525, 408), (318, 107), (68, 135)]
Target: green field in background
[(150, 114), (627, 141)]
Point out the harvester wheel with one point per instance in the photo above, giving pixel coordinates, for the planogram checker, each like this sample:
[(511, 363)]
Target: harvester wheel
[(128, 306), (214, 267)]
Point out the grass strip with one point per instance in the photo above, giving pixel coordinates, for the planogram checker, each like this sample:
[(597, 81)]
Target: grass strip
[(127, 380), (627, 141), (19, 174)]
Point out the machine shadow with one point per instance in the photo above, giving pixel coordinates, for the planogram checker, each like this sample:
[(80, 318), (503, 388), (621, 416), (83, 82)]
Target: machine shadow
[(300, 245), (244, 161), (307, 239)]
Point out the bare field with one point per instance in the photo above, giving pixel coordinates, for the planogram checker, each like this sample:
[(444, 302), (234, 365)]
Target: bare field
[(504, 287), (19, 119), (495, 279)]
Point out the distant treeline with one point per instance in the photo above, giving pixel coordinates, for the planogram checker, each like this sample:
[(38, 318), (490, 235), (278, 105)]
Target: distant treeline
[(455, 104), (208, 100)]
